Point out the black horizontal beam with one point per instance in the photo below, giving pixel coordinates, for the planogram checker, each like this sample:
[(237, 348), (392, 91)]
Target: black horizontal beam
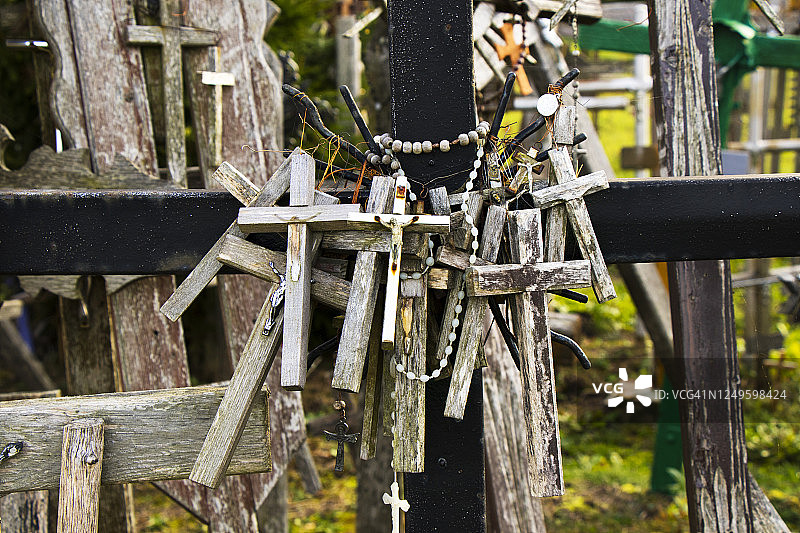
[(160, 232)]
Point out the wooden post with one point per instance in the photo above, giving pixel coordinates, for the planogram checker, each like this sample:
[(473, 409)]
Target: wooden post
[(361, 304), (715, 456), (81, 464), (472, 324)]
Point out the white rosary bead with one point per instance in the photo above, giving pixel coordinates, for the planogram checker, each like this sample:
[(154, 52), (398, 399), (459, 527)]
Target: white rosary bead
[(403, 275), (468, 186), (464, 206), (476, 163), (475, 245), (444, 145), (397, 145), (443, 363), (460, 295), (485, 125), (407, 147), (395, 164), (374, 159), (472, 259), (473, 174), (479, 153), (463, 139), (473, 136), (455, 323), (416, 147), (435, 373), (424, 379), (410, 375), (427, 146), (474, 231), (429, 261), (378, 138), (412, 197), (400, 368), (451, 337), (416, 275), (386, 159), (448, 350), (468, 218), (458, 309), (481, 131), (386, 141)]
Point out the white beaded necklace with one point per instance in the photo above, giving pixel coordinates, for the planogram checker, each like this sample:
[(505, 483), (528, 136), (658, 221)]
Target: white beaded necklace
[(473, 229)]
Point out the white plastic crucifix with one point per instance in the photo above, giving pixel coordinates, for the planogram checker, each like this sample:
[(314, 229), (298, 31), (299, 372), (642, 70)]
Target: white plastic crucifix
[(396, 222), (397, 504)]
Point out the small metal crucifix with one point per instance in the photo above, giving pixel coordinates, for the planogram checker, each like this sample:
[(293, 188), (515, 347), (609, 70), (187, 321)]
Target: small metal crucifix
[(341, 436)]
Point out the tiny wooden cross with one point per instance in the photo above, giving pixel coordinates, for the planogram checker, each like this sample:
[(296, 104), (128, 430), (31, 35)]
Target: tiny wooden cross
[(570, 191), (341, 436), (514, 52), (527, 280), (172, 37), (298, 220), (396, 222), (218, 80), (397, 504)]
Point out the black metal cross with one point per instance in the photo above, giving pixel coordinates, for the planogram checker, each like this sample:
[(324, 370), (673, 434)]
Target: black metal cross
[(341, 436)]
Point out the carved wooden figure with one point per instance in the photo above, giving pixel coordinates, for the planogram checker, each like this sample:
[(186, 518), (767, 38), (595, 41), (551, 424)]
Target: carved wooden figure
[(578, 215)]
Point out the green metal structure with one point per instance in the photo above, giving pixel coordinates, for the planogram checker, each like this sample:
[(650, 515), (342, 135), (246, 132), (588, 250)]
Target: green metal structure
[(738, 47)]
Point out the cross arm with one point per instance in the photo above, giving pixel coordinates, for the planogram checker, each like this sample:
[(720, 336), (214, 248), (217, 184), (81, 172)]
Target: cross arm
[(154, 35), (570, 190), (274, 219), (490, 280), (413, 223)]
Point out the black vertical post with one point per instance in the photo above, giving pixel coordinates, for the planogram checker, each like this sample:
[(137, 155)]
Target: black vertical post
[(433, 98)]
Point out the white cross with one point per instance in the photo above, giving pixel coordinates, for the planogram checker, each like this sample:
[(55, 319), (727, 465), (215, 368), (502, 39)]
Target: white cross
[(397, 504)]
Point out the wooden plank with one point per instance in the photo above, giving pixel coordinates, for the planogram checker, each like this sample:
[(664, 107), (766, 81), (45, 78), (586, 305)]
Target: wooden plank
[(297, 300), (510, 506), (235, 183), (561, 163), (413, 243), (81, 464), (514, 278), (472, 323), (27, 512), (454, 258), (276, 219), (571, 190), (372, 393), (232, 416), (208, 267), (253, 259), (564, 124), (150, 435), (411, 325), (361, 303), (531, 325)]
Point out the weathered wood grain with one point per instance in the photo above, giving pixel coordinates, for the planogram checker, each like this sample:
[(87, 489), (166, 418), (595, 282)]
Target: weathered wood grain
[(235, 183), (411, 326), (513, 278), (472, 323), (532, 328), (27, 512), (372, 392), (413, 243), (564, 123), (253, 259), (231, 418), (561, 163), (149, 435), (208, 267), (361, 303), (438, 278), (297, 301), (458, 259), (510, 506), (276, 219), (81, 464), (570, 190)]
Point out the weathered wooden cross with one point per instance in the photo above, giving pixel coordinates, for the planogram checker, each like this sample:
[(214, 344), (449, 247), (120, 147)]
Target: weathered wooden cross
[(526, 280), (172, 37), (571, 195), (298, 220), (218, 80)]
